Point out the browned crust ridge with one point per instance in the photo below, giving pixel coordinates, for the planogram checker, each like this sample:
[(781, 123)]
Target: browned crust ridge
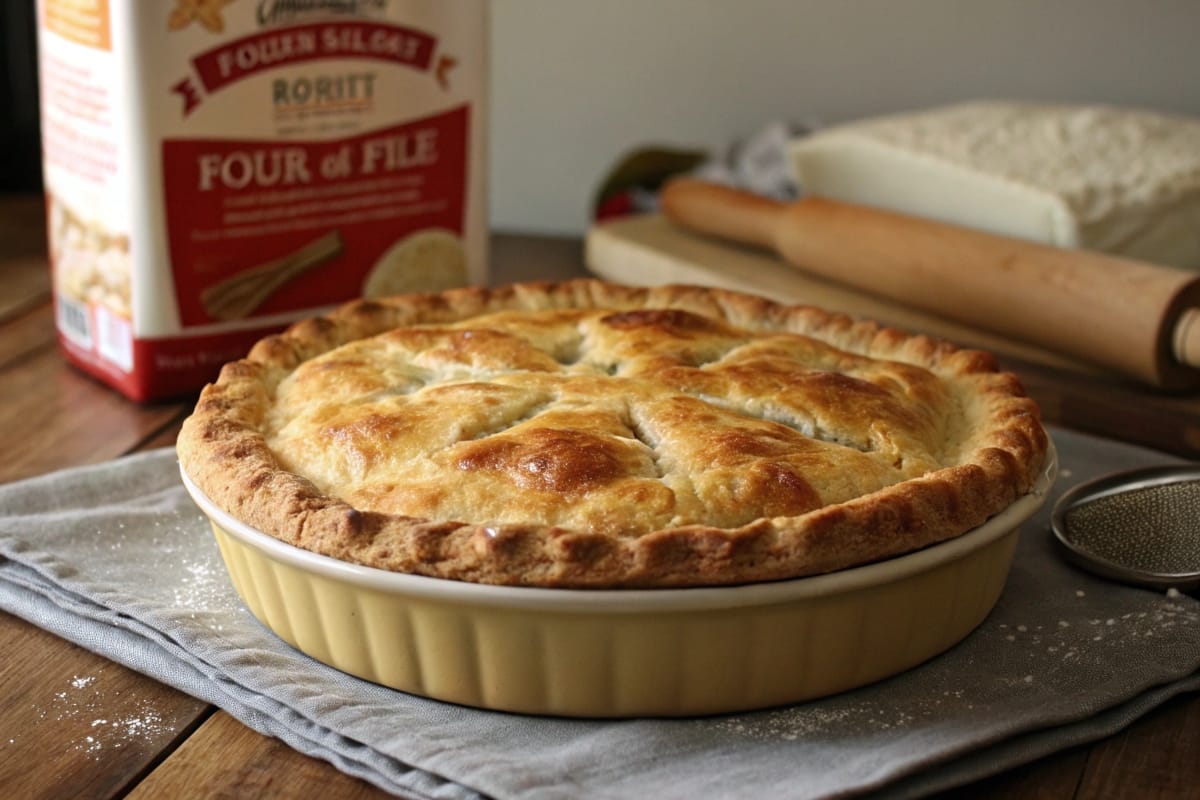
[(223, 450)]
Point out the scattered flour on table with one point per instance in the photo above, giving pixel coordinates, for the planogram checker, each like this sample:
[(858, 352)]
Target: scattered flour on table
[(77, 710)]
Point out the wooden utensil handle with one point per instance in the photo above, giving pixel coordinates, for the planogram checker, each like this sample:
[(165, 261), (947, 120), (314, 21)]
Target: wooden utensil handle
[(721, 211), (1111, 311)]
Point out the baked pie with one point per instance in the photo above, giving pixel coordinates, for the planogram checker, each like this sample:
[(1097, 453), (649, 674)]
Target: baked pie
[(589, 435)]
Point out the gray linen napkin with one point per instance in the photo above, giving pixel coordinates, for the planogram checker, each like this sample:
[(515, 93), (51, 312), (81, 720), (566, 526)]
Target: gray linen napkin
[(116, 558)]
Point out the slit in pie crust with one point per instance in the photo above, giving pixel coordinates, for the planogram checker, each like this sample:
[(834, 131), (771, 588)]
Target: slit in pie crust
[(586, 434)]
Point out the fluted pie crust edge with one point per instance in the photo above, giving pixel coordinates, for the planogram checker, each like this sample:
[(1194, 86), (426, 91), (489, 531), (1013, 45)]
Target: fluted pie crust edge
[(724, 417)]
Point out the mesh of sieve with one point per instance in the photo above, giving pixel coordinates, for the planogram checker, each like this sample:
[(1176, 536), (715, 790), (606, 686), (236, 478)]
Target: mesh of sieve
[(1141, 527)]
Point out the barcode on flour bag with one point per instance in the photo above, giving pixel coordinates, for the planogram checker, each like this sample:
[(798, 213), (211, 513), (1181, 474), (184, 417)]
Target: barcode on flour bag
[(74, 322), (217, 169)]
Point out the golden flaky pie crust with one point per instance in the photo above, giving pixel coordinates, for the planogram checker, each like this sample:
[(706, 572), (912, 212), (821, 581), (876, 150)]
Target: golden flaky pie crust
[(585, 434)]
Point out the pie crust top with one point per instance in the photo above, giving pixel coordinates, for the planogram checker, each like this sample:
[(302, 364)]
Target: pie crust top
[(585, 434)]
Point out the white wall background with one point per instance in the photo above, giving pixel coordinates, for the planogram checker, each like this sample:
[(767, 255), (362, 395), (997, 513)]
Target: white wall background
[(577, 83)]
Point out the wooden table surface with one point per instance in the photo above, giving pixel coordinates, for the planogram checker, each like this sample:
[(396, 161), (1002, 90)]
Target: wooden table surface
[(172, 745)]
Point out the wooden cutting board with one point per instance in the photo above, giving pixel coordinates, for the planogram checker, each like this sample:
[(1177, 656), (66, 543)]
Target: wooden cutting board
[(649, 250)]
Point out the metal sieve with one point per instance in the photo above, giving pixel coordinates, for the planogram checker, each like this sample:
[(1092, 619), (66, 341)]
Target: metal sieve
[(1140, 527)]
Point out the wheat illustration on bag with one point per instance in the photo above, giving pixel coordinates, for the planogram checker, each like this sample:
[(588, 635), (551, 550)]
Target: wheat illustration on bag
[(205, 12)]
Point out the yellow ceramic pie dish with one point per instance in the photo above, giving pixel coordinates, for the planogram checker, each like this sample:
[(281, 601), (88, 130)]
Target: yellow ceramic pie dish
[(621, 653)]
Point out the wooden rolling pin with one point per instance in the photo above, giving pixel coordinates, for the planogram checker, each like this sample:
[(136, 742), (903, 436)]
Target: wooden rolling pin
[(1136, 318)]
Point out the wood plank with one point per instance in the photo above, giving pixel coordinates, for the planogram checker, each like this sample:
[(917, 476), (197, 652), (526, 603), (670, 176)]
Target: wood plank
[(26, 284), (224, 758), (24, 268), (1123, 411), (77, 725), (23, 224), (1157, 758), (167, 436), (1052, 778), (27, 333), (76, 419)]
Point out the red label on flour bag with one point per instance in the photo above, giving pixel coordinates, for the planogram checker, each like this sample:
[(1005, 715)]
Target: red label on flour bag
[(294, 224), (220, 168)]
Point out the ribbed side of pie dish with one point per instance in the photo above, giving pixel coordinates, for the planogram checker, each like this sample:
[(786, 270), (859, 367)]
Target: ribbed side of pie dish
[(609, 437), (602, 653)]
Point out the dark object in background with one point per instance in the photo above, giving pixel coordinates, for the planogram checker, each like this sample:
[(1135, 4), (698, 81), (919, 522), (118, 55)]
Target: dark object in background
[(20, 152), (631, 185)]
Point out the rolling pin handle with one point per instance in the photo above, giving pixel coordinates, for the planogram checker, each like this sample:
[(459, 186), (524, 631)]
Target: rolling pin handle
[(723, 211), (1186, 345)]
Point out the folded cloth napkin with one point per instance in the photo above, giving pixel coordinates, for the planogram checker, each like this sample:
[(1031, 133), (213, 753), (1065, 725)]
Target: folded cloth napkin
[(117, 559)]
